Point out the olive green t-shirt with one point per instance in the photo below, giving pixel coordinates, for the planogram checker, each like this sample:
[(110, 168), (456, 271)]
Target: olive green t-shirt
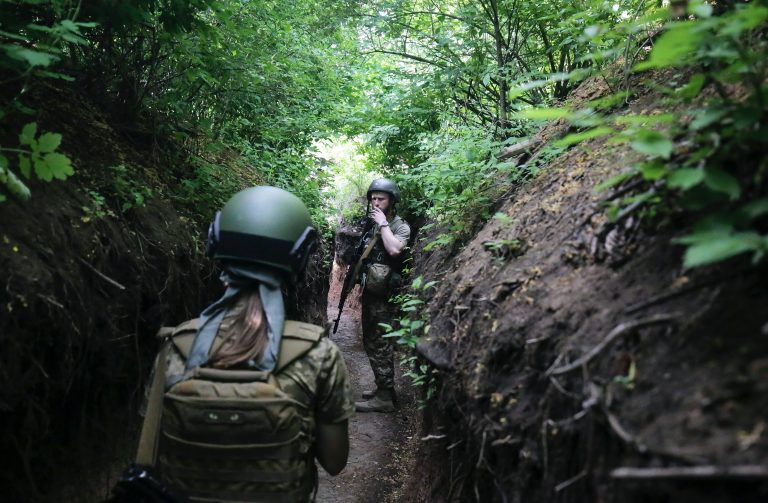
[(400, 229)]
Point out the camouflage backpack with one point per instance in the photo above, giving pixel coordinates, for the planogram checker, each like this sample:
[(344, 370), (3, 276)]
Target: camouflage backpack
[(234, 435)]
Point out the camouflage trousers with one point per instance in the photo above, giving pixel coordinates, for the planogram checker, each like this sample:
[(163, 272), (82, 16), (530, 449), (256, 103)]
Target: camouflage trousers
[(379, 349)]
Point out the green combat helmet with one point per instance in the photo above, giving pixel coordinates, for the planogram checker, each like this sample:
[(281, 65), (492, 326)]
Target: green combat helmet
[(264, 225), (385, 185)]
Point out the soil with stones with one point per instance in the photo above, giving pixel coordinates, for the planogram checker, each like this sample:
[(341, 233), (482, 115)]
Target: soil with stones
[(375, 438), (580, 362)]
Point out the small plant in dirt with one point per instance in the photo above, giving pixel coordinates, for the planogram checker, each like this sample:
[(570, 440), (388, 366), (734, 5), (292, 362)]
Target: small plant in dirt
[(503, 249), (130, 192), (411, 326), (97, 209)]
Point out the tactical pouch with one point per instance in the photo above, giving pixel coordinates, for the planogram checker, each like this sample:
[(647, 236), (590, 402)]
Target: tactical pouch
[(377, 281)]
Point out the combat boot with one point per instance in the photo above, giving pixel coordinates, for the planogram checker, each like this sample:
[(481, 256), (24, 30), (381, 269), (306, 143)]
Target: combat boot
[(382, 401)]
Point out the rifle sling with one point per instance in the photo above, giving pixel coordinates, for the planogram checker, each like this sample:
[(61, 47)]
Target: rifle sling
[(367, 251), (147, 450)]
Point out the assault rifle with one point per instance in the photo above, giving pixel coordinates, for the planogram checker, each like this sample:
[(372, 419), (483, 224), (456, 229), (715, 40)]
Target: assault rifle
[(353, 269)]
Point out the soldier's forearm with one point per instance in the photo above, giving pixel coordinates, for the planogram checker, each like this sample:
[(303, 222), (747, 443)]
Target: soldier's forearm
[(393, 245)]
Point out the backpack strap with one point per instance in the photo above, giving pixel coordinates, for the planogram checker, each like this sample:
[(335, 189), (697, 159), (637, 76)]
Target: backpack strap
[(298, 339), (184, 335), (147, 449)]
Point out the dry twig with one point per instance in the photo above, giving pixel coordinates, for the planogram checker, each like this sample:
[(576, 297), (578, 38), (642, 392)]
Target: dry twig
[(621, 329), (563, 485), (692, 472), (638, 306), (101, 274)]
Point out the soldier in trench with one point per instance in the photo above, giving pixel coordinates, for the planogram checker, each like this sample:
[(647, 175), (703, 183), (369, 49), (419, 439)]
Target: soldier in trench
[(381, 273), (244, 401)]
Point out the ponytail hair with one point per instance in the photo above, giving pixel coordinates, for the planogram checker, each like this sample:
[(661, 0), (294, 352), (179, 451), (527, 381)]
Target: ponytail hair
[(247, 338)]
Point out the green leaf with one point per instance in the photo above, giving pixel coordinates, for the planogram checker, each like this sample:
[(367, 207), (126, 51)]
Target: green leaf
[(641, 120), (60, 165), (615, 180), (704, 118), (744, 19), (720, 248), (755, 209), (25, 165), (54, 75), (652, 143), (42, 170), (653, 170), (33, 58), (28, 133), (699, 8), (48, 142), (502, 217), (574, 138), (52, 165), (722, 181), (685, 178), (416, 285), (674, 46), (693, 87), (544, 114), (70, 25)]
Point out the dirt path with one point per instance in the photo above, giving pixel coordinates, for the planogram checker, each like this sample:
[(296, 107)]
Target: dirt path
[(373, 436)]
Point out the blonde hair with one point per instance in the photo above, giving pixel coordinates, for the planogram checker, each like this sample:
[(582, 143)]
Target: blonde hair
[(247, 338)]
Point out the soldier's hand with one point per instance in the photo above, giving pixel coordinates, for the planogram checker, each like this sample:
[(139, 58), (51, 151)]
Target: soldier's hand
[(378, 216)]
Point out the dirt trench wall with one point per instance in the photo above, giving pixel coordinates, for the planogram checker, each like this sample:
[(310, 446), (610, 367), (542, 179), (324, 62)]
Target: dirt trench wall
[(582, 347), (82, 297)]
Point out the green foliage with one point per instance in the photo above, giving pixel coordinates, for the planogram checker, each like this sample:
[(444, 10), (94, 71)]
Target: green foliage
[(348, 164), (97, 209), (263, 78), (687, 156), (36, 34), (130, 193), (459, 179), (37, 155), (412, 325), (728, 49)]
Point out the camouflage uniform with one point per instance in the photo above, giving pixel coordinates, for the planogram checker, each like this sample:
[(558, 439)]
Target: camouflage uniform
[(376, 309), (318, 380)]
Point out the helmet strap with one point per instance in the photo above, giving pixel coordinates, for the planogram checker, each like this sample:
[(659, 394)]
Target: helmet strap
[(213, 236), (302, 249)]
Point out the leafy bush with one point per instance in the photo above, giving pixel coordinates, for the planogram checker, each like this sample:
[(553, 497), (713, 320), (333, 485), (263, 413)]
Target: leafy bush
[(688, 155), (412, 325), (459, 179)]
